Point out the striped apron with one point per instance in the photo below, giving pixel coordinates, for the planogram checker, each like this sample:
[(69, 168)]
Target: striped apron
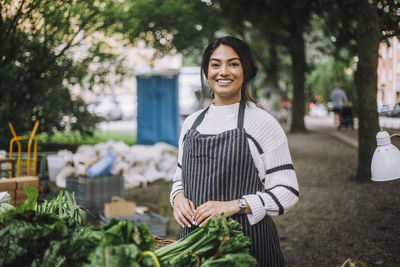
[(221, 168)]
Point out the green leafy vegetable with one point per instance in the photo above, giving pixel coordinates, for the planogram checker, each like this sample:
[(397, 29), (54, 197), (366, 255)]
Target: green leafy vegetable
[(54, 235), (64, 206), (30, 203), (240, 259), (6, 207), (219, 239), (119, 255)]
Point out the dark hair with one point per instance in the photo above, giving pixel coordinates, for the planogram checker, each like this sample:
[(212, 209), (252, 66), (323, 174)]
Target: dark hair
[(246, 58)]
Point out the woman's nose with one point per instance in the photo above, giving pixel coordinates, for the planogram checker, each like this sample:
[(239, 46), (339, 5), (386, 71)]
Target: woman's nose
[(224, 70)]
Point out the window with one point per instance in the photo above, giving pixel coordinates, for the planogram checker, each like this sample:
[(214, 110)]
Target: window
[(383, 76)]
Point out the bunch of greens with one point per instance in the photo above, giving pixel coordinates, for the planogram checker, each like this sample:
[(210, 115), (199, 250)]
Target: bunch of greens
[(53, 235), (219, 243), (118, 243), (64, 206)]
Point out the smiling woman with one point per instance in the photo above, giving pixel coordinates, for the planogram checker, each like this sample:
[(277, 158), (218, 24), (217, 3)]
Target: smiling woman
[(234, 157), (225, 75)]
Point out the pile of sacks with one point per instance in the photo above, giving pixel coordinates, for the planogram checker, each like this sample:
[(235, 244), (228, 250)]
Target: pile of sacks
[(138, 164)]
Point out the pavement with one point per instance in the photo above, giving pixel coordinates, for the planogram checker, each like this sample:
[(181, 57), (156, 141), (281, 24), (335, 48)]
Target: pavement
[(326, 125), (349, 136)]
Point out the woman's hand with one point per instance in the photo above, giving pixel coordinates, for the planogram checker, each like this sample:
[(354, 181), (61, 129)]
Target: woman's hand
[(183, 210), (210, 208)]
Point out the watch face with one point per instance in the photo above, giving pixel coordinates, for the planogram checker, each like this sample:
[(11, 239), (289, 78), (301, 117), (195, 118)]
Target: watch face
[(242, 203)]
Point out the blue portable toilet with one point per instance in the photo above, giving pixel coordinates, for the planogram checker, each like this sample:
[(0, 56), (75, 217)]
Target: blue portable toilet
[(158, 107)]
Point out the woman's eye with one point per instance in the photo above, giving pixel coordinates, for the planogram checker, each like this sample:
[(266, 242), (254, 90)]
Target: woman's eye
[(214, 65), (234, 64)]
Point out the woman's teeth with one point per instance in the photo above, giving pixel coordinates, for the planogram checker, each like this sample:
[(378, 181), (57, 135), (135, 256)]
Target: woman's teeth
[(224, 81)]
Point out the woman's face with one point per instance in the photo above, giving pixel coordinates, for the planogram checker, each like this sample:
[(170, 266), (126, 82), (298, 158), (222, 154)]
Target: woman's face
[(225, 75)]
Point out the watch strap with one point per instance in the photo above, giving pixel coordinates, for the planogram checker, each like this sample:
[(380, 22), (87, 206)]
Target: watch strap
[(242, 205)]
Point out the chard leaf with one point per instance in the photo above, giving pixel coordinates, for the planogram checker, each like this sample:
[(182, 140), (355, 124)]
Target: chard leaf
[(121, 255), (30, 203)]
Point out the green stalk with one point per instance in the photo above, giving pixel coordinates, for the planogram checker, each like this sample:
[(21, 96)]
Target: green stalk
[(70, 201), (181, 244), (60, 209)]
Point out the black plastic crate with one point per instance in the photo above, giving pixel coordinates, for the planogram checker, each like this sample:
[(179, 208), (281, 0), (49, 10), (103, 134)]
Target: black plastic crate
[(92, 193)]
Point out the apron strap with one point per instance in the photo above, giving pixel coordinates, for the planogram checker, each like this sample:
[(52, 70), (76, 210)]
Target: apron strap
[(242, 107), (199, 119)]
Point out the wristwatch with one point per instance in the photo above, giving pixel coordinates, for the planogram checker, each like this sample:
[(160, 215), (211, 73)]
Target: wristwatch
[(242, 205)]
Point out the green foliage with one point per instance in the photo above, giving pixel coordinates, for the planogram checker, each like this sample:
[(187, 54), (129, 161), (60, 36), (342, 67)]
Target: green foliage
[(327, 74), (50, 143), (38, 63), (170, 25)]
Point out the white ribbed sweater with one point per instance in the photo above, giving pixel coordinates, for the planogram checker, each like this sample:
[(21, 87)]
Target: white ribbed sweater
[(280, 183)]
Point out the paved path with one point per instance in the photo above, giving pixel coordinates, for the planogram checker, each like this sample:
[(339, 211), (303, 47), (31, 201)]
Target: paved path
[(325, 125)]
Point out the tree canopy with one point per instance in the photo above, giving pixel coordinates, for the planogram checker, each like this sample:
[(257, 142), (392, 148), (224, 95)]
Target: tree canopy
[(38, 63)]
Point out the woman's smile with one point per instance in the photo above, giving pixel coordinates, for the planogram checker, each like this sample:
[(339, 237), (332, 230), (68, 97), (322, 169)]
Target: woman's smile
[(224, 82)]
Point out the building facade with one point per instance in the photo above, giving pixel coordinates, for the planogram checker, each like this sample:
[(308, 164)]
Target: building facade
[(389, 73)]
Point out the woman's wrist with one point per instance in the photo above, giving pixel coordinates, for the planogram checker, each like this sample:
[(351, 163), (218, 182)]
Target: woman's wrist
[(177, 195), (241, 206)]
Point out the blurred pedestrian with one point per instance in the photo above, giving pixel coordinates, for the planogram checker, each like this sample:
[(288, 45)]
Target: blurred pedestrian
[(346, 116), (233, 156), (338, 98)]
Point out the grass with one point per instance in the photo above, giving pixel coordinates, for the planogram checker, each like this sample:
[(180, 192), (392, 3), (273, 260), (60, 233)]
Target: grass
[(98, 137)]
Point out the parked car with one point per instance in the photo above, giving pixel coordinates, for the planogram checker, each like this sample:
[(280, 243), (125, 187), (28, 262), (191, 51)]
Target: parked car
[(395, 111), (385, 110)]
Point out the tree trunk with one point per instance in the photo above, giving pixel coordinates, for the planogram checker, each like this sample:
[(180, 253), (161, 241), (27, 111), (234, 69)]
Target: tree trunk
[(366, 84), (298, 69), (272, 71)]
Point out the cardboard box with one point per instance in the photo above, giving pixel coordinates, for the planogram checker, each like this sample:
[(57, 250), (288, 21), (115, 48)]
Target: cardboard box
[(18, 183), (8, 184), (33, 181), (15, 187), (17, 202), (20, 194), (12, 194), (119, 207)]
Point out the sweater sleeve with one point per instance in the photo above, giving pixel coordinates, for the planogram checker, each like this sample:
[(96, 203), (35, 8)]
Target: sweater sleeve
[(281, 190)]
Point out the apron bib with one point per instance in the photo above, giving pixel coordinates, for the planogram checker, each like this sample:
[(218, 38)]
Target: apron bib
[(221, 168)]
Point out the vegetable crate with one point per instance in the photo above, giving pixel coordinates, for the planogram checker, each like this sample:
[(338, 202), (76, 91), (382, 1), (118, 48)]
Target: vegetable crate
[(93, 193)]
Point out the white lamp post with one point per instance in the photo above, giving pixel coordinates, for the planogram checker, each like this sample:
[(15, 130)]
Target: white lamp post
[(385, 165)]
